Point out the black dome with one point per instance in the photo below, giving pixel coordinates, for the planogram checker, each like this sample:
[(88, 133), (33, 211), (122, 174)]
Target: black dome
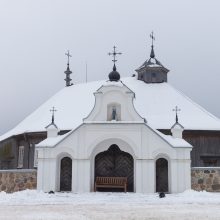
[(114, 75)]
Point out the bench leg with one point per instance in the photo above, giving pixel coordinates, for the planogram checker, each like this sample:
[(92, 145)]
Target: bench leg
[(95, 188)]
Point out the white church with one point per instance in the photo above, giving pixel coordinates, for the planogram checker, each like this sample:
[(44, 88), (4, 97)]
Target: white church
[(121, 134), (114, 139)]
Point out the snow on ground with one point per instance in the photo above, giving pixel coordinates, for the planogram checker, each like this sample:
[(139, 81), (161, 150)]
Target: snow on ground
[(33, 205)]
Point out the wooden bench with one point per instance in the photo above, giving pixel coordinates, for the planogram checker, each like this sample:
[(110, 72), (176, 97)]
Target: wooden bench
[(111, 182)]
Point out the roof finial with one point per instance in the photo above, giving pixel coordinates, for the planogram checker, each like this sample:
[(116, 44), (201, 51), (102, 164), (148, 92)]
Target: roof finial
[(152, 54), (68, 71), (114, 54), (68, 55), (176, 109), (52, 110)]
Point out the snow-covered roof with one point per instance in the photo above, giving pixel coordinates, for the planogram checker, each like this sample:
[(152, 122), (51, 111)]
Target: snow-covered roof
[(154, 102), (174, 142), (52, 141), (152, 62)]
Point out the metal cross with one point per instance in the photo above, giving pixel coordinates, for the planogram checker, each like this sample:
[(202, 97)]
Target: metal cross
[(152, 37), (53, 110), (68, 55), (114, 54), (176, 109)]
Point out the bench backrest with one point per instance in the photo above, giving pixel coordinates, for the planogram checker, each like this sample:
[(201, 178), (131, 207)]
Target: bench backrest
[(118, 181)]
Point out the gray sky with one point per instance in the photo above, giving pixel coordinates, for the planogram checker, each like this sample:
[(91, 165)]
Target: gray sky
[(36, 34)]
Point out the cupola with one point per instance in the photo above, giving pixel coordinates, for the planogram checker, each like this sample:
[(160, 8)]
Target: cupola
[(152, 71)]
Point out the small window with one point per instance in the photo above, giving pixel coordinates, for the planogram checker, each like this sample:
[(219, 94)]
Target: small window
[(35, 157), (20, 156), (210, 161), (114, 112), (154, 75)]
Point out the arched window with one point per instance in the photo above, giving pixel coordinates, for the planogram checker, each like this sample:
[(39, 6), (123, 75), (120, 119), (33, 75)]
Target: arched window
[(114, 112), (66, 174), (162, 175)]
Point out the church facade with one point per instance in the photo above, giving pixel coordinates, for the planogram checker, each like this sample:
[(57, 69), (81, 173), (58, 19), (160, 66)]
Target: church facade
[(114, 141), (127, 128)]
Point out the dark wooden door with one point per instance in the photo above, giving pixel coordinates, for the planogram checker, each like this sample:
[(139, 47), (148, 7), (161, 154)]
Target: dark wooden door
[(162, 175), (115, 163), (66, 174)]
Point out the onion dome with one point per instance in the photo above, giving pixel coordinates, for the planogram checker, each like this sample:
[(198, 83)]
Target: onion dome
[(114, 75)]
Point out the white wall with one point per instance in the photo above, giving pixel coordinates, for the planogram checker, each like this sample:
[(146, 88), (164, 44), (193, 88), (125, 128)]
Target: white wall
[(142, 143)]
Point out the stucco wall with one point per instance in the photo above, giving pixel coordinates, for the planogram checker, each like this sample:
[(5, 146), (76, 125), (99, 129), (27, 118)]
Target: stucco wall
[(16, 180), (205, 178)]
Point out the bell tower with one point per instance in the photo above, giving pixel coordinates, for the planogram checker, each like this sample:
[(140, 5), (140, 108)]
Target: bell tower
[(152, 71)]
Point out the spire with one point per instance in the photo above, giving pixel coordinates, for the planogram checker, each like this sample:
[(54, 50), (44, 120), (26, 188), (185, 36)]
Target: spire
[(176, 109), (114, 75), (177, 129), (152, 54), (52, 129), (68, 71), (53, 110)]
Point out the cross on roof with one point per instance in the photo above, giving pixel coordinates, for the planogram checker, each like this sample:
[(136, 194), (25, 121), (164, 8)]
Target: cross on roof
[(176, 109), (53, 110), (152, 37), (68, 55), (114, 54)]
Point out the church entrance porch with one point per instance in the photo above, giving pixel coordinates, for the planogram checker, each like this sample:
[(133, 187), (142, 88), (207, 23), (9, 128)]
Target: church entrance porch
[(161, 175), (66, 174), (115, 163)]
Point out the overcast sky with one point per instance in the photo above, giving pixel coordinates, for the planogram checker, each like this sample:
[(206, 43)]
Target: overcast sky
[(36, 34)]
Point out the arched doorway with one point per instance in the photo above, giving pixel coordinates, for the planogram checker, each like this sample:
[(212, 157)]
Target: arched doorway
[(115, 163), (66, 174), (162, 175)]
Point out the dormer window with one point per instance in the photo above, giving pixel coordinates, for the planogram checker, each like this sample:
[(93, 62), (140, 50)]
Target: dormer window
[(113, 112)]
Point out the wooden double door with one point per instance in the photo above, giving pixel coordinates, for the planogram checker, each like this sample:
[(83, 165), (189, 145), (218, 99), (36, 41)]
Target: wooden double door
[(115, 163)]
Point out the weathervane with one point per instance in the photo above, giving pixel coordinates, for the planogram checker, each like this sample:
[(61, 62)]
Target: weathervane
[(152, 54), (53, 110), (152, 37), (176, 109), (68, 55), (114, 54)]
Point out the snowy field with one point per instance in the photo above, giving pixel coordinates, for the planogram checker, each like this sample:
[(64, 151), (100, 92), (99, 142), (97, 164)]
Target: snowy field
[(33, 205)]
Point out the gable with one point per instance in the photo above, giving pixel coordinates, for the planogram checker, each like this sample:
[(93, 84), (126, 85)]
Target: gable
[(114, 102)]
